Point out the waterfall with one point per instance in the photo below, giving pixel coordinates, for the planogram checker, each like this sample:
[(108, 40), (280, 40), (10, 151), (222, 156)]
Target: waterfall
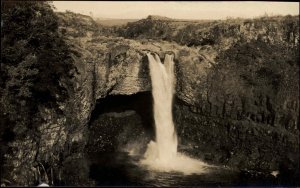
[(162, 154), (162, 79)]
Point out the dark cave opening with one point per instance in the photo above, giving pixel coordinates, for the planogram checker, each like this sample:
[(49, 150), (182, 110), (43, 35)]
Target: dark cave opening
[(116, 113)]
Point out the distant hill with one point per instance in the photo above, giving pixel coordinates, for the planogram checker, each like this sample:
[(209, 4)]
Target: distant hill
[(157, 17), (114, 22), (123, 22)]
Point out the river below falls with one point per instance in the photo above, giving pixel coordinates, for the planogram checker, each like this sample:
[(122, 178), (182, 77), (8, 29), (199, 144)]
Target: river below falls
[(121, 169)]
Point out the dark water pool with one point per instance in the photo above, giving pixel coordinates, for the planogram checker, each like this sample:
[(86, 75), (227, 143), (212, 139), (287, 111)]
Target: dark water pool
[(120, 169)]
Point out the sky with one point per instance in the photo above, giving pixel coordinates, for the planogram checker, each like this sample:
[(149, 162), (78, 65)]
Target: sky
[(178, 9)]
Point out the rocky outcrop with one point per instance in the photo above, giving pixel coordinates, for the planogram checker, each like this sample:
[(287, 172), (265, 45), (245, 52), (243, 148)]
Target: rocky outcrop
[(117, 66)]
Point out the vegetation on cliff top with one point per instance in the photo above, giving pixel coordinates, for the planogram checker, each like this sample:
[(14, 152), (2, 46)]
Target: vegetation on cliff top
[(34, 60), (198, 33), (190, 32)]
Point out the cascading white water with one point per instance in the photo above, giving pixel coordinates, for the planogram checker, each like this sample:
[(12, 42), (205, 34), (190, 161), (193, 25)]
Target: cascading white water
[(162, 155), (162, 79)]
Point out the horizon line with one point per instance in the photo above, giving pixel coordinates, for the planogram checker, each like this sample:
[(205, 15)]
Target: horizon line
[(191, 19)]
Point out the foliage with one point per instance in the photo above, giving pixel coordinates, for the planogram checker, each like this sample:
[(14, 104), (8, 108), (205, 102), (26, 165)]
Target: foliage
[(147, 28), (34, 60), (77, 25), (197, 33)]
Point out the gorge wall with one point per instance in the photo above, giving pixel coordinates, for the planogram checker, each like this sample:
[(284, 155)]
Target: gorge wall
[(237, 101), (237, 97)]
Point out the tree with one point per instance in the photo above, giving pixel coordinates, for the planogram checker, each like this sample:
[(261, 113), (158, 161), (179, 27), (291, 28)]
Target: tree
[(34, 61)]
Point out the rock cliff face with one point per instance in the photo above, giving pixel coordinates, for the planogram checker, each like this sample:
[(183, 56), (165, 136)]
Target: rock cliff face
[(237, 102)]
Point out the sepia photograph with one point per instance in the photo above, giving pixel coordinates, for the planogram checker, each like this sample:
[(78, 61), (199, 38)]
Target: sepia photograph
[(149, 94)]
